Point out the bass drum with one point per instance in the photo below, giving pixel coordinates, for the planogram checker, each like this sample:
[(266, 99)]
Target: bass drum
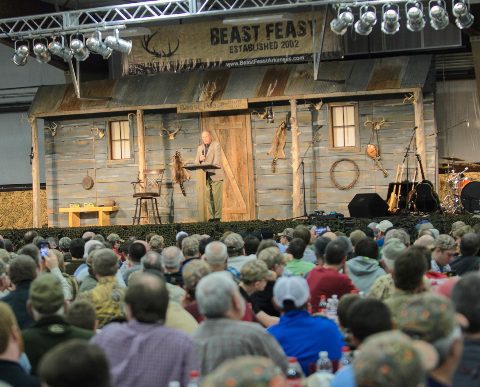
[(470, 197)]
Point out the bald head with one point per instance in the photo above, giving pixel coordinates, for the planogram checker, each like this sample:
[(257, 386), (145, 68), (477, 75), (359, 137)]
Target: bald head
[(216, 255), (206, 137)]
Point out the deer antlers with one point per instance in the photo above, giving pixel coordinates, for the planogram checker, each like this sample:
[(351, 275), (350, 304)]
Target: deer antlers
[(171, 135), (208, 92), (158, 54), (376, 125)]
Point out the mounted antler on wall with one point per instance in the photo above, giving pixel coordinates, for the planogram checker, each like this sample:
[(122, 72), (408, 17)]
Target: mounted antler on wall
[(376, 124), (170, 133), (208, 92)]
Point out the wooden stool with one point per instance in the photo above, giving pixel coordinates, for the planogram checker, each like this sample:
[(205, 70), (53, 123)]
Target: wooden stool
[(146, 192), (144, 212)]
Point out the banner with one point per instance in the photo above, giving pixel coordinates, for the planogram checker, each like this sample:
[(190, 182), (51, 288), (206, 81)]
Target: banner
[(214, 44)]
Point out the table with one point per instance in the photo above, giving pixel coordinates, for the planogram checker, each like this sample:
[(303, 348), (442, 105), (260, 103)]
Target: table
[(74, 214)]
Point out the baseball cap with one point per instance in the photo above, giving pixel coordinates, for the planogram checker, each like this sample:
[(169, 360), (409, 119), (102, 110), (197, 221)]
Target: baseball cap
[(193, 272), (393, 359), (46, 294), (457, 225), (288, 232), (384, 225), (254, 270), (426, 241), (112, 238), (291, 288), (444, 242), (234, 242), (180, 234), (392, 249), (429, 317)]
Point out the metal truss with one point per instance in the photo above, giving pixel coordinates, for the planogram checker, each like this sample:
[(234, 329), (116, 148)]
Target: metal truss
[(120, 16)]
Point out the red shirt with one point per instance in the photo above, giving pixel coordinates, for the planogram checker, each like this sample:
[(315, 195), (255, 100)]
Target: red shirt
[(327, 281)]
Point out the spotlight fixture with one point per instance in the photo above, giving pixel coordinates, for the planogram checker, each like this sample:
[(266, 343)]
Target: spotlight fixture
[(20, 57), (368, 18), (464, 19), (391, 18), (118, 44), (415, 19), (59, 49), (270, 116), (80, 52), (344, 19), (95, 44), (438, 14), (41, 52)]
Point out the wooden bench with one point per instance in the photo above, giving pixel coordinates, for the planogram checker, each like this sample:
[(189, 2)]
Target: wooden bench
[(74, 214)]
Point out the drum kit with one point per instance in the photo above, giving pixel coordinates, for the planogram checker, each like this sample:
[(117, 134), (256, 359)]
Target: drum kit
[(463, 194)]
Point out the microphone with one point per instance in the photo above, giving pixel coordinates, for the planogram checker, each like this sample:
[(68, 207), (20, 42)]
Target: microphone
[(203, 154), (415, 128)]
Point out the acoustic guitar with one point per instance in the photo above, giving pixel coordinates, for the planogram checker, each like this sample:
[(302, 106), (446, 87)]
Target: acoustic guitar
[(425, 197), (393, 200)]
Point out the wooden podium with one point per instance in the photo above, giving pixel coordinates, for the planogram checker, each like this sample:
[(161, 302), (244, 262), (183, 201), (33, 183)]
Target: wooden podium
[(201, 170)]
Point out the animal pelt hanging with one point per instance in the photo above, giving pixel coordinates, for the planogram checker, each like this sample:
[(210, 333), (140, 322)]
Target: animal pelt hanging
[(179, 173), (278, 144)]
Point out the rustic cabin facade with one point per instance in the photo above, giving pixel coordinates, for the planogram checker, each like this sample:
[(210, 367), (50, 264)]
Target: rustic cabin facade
[(271, 121)]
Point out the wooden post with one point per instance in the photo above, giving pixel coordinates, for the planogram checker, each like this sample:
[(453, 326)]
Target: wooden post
[(297, 180), (420, 132), (141, 156), (36, 210)]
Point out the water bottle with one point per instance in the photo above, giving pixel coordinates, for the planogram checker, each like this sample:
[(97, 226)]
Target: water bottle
[(294, 373), (194, 379), (322, 306), (174, 383), (346, 358), (324, 365), (331, 312), (335, 302)]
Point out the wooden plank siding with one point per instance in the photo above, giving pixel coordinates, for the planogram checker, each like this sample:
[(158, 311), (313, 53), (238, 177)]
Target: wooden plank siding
[(73, 152)]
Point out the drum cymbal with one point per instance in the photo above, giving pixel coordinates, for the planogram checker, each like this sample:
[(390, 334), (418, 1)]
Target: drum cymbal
[(452, 159)]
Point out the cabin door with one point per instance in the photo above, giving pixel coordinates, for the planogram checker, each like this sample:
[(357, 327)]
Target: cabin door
[(234, 134)]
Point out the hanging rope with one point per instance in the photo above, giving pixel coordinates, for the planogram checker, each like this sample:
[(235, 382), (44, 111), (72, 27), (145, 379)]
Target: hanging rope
[(355, 179)]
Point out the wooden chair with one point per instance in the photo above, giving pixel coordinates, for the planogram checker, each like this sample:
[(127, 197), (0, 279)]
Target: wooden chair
[(146, 193)]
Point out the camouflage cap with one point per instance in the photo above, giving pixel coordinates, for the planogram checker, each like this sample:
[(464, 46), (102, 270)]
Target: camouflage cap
[(457, 225), (429, 317), (392, 359), (444, 242), (46, 294), (193, 272), (234, 242), (253, 271), (243, 371), (288, 232), (112, 238)]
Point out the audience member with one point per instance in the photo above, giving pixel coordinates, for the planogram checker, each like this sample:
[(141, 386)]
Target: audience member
[(82, 314), (364, 269), (172, 259), (444, 250), (11, 372), (382, 229), (303, 233), (320, 245), (222, 336), (75, 364), (216, 257), (294, 330), (77, 250), (431, 317), (297, 266), (47, 305), (356, 235), (465, 297), (285, 237), (236, 253), (468, 260), (166, 354), (23, 271), (192, 274), (136, 252), (190, 249), (107, 296), (327, 280), (251, 243)]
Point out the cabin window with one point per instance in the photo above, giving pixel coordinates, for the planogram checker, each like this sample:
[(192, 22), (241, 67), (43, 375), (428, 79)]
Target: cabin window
[(343, 126), (120, 140)]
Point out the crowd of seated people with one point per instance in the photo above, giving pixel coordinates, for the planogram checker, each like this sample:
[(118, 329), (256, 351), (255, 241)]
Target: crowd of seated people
[(385, 306)]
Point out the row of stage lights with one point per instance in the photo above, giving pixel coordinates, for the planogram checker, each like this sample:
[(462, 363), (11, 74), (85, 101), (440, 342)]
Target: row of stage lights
[(391, 17), (79, 48)]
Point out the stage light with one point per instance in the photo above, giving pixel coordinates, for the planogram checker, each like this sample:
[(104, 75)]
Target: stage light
[(118, 44), (20, 57), (80, 52), (438, 14), (464, 19), (95, 44), (41, 52), (368, 18), (60, 50), (391, 18), (344, 19), (415, 19)]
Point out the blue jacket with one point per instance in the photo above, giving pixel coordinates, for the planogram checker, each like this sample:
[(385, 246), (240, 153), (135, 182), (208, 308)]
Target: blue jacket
[(304, 336), (17, 300)]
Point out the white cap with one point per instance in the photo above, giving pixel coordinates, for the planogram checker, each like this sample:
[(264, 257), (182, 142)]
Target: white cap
[(384, 225), (294, 289)]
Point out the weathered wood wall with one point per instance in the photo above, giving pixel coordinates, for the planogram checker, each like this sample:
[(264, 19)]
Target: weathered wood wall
[(75, 150)]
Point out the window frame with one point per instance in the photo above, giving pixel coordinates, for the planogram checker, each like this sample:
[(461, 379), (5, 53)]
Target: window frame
[(332, 147), (108, 126)]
